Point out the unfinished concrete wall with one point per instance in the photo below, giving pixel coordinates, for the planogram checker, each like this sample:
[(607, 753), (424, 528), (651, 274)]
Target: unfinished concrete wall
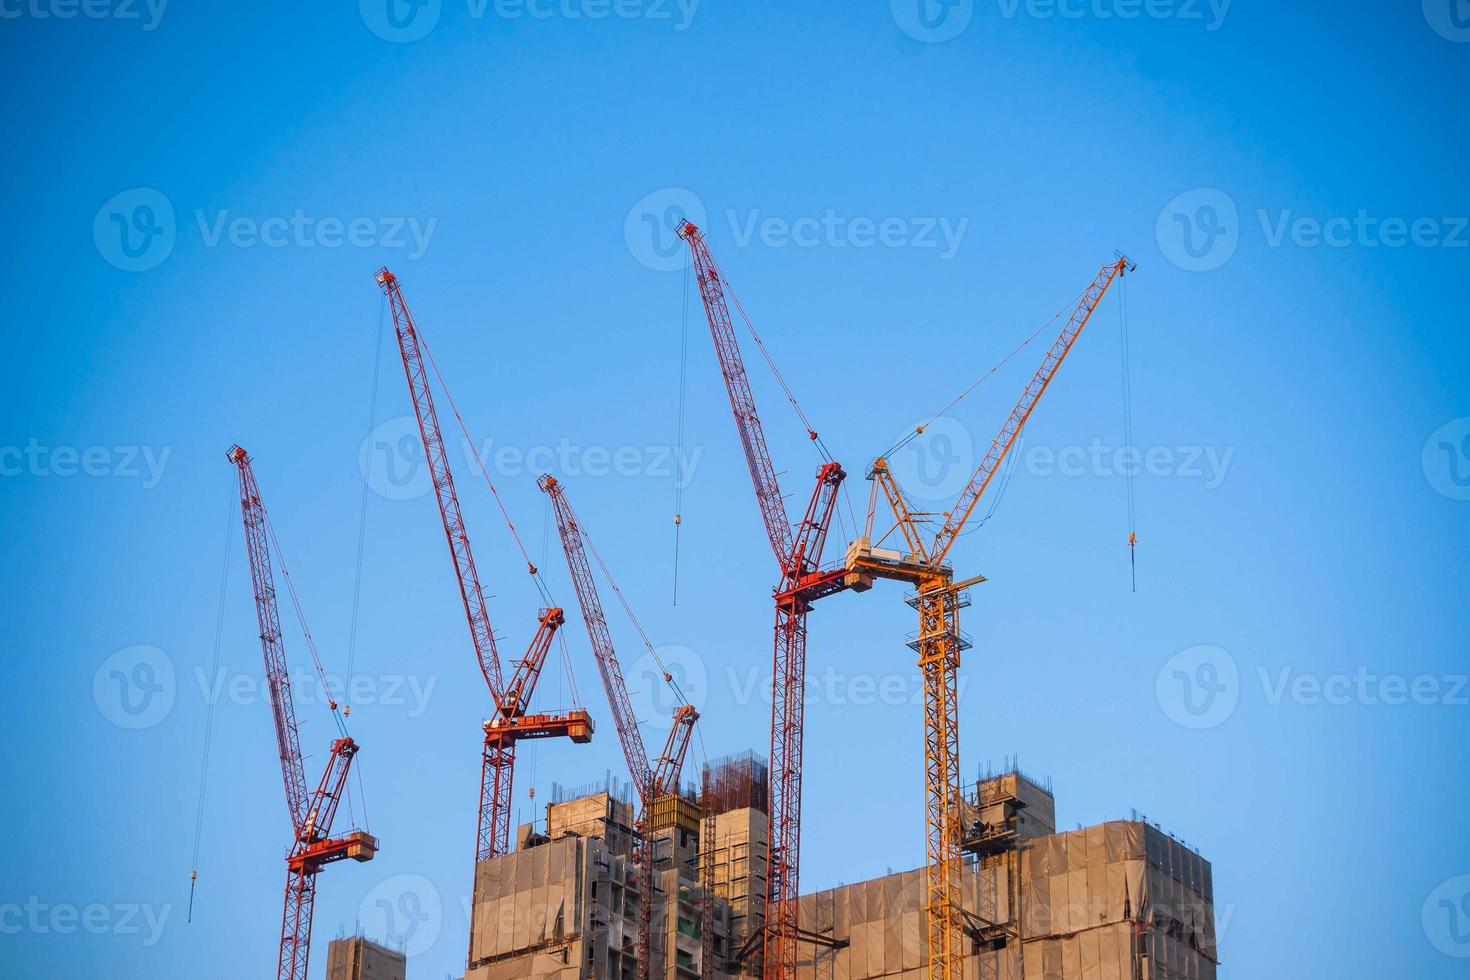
[(1119, 901), (569, 907), (356, 958), (741, 852)]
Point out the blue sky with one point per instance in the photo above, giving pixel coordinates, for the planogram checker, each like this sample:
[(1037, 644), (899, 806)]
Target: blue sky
[(196, 200)]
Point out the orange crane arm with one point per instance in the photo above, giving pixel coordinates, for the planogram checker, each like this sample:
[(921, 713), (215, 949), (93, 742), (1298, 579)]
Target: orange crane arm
[(1004, 440)]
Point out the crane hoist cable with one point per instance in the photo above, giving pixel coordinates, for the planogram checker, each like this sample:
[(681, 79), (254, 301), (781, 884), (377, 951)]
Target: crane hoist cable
[(566, 664), (679, 439), (219, 631), (1131, 473), (811, 431), (627, 608), (316, 659), (362, 514), (780, 378), (484, 472), (919, 430)]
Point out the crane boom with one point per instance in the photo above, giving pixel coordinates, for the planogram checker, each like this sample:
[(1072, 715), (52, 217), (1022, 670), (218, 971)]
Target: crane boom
[(481, 633), (312, 815), (603, 652), (1006, 438), (742, 400), (267, 613)]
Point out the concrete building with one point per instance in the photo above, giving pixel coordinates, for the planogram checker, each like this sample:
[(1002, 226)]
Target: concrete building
[(356, 958), (1117, 901)]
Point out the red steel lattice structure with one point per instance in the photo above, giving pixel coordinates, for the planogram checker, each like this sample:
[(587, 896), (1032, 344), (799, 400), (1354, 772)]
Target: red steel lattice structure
[(653, 781), (312, 813), (799, 555), (510, 723)]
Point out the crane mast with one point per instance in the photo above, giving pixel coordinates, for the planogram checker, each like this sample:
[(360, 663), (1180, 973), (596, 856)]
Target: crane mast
[(939, 641), (799, 556), (652, 780), (312, 814)]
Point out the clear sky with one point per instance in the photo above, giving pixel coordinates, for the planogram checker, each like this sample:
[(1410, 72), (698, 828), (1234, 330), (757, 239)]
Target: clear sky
[(197, 196)]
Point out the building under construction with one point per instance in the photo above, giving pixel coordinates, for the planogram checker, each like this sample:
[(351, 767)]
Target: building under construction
[(1117, 901), (667, 881)]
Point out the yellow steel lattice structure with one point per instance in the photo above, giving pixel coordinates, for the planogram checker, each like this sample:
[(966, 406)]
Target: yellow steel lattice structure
[(939, 642)]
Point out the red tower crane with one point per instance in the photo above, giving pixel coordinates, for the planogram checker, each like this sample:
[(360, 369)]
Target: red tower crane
[(803, 581), (654, 781), (511, 723), (312, 812)]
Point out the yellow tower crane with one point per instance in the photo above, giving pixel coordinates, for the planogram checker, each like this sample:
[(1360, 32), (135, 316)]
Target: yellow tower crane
[(938, 642)]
